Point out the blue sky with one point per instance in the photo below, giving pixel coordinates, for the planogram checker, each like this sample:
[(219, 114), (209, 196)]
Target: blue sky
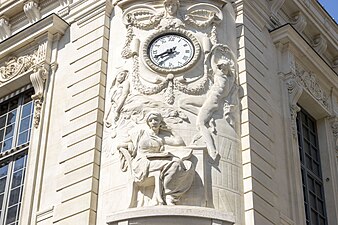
[(331, 6)]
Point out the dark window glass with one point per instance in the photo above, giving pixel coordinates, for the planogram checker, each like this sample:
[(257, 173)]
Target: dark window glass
[(313, 189)]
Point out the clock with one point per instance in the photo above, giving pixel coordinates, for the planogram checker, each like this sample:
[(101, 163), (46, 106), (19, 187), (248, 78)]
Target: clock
[(171, 52)]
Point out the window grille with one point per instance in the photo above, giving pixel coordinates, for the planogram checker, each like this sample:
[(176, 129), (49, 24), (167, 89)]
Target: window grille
[(312, 181)]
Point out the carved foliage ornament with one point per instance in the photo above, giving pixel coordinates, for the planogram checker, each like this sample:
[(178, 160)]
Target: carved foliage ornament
[(302, 80), (309, 82), (16, 66), (35, 64), (144, 17)]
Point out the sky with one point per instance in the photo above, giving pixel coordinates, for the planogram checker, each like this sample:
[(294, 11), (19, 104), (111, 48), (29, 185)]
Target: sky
[(331, 6)]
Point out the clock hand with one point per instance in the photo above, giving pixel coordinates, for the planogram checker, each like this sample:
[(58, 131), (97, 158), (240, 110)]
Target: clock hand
[(169, 56), (167, 52)]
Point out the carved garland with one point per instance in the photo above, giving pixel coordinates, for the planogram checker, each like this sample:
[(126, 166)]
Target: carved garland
[(154, 20), (170, 83), (34, 63)]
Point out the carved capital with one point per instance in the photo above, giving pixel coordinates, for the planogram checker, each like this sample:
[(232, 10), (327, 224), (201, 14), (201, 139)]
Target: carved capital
[(5, 28), (320, 44), (38, 78), (299, 21), (32, 11)]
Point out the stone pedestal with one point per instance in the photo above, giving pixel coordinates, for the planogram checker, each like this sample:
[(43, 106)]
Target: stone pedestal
[(168, 215)]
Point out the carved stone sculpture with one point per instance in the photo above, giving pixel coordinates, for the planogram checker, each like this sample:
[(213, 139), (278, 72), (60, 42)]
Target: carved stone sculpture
[(196, 162), (119, 92), (149, 151), (221, 62)]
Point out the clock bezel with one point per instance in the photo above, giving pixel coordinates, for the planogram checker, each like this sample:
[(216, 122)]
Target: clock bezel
[(180, 32)]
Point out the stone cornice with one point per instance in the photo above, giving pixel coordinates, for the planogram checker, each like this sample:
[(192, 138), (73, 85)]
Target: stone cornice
[(286, 35), (126, 3), (50, 25)]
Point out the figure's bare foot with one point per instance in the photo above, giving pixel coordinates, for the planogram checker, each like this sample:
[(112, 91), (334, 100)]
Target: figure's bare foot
[(170, 200)]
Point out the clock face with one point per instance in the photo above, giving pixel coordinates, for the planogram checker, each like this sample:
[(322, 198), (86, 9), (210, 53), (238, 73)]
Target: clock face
[(171, 51)]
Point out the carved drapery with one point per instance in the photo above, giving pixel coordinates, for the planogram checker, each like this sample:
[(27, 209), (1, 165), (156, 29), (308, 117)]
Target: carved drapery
[(37, 67)]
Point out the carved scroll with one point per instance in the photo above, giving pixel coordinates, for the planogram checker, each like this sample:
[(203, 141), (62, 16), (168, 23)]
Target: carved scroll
[(38, 78), (295, 91)]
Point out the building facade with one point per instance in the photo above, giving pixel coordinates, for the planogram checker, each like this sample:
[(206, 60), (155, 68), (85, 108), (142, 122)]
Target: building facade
[(237, 102)]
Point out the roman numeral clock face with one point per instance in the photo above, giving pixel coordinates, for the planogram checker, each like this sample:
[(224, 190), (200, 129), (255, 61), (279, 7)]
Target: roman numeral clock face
[(171, 51)]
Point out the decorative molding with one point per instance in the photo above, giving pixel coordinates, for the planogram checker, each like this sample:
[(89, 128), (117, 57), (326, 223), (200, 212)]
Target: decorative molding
[(65, 2), (5, 28), (310, 83), (295, 91), (334, 126), (16, 66), (275, 7), (297, 81), (36, 65), (320, 44), (38, 78), (299, 21), (32, 11)]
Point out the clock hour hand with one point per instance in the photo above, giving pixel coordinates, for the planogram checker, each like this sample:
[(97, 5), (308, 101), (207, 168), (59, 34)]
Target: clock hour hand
[(172, 54), (167, 52)]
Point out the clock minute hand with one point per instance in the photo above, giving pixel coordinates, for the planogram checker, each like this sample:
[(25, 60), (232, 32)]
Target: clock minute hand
[(162, 54), (167, 52)]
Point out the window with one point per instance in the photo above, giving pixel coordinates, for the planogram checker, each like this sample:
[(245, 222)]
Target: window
[(16, 115), (309, 152)]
